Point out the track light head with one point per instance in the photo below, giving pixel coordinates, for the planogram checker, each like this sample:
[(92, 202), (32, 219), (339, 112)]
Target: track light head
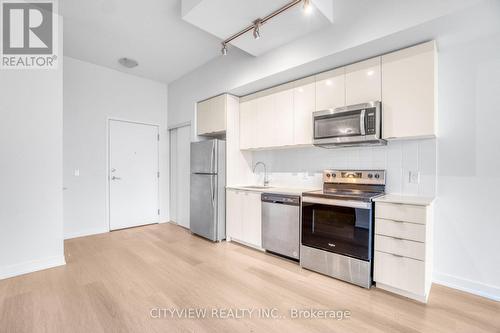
[(307, 6), (223, 51), (256, 29), (256, 33)]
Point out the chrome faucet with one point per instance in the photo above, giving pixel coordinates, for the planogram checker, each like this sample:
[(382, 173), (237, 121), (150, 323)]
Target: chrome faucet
[(266, 181)]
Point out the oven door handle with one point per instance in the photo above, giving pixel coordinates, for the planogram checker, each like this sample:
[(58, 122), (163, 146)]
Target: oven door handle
[(338, 203)]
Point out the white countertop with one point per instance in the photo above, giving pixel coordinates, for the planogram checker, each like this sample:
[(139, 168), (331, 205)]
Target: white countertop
[(405, 199), (273, 189)]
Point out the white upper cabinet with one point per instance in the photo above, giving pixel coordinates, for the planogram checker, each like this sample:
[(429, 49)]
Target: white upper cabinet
[(280, 123), (409, 92), (363, 82), (264, 130), (267, 121), (330, 89), (405, 82), (203, 117), (248, 124), (211, 116), (303, 107)]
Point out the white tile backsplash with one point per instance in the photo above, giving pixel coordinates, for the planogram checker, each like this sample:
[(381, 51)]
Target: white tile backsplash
[(302, 167)]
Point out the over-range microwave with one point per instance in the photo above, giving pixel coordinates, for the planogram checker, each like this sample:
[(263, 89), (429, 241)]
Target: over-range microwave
[(354, 125)]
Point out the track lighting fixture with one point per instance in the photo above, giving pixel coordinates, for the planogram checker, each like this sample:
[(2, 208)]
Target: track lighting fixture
[(255, 26)]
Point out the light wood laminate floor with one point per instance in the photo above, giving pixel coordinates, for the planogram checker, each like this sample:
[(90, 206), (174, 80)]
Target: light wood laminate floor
[(112, 281)]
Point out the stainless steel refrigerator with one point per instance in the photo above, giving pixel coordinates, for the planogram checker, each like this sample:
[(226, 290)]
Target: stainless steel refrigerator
[(207, 193)]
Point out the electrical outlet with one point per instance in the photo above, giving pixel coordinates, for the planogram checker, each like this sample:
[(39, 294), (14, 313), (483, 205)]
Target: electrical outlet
[(77, 173), (414, 177)]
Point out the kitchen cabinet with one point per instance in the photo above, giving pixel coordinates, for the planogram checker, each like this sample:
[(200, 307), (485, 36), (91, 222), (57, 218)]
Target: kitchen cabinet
[(403, 249), (282, 116), (211, 116), (409, 92), (330, 89), (234, 214), (264, 129), (248, 124), (280, 123), (243, 217), (304, 104), (252, 219), (267, 121), (363, 82)]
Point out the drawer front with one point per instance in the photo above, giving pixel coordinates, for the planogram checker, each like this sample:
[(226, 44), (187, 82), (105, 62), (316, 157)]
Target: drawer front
[(401, 247), (400, 272), (399, 229), (397, 212)]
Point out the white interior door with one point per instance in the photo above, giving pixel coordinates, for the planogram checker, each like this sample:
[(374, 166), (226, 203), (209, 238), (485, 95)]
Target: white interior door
[(133, 174), (180, 165)]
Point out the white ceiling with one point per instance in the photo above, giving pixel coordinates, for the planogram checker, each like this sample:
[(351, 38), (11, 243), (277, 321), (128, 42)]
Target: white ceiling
[(149, 31), (167, 47), (223, 18)]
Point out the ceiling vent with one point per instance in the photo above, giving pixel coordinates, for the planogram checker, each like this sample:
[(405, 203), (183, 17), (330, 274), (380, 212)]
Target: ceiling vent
[(127, 62)]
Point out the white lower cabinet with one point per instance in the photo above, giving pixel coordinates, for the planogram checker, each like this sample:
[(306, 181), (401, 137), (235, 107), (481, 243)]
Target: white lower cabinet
[(234, 214), (403, 249), (400, 273), (243, 217)]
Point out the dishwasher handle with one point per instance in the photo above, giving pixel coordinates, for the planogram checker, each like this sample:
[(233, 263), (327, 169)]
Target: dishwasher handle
[(281, 199)]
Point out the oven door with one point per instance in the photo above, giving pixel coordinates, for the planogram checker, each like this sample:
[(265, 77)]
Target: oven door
[(338, 226)]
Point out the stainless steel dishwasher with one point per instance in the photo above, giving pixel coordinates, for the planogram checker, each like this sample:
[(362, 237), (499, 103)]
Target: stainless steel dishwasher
[(281, 224)]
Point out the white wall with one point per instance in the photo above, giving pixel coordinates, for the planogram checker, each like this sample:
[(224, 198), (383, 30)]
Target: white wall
[(92, 95), (466, 253), (31, 206), (467, 224)]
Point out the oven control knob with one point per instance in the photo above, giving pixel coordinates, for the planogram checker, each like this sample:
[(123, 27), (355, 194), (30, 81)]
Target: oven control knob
[(377, 176), (370, 176), (334, 175), (328, 175)]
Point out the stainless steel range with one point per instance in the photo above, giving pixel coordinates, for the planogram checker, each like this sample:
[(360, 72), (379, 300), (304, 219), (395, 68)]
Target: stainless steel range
[(337, 225)]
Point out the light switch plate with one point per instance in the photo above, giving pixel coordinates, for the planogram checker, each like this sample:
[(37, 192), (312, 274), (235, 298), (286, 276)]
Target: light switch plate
[(414, 177), (77, 173)]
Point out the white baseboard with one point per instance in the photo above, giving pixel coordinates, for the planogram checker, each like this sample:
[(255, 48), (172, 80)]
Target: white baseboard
[(31, 266), (84, 233), (473, 287)]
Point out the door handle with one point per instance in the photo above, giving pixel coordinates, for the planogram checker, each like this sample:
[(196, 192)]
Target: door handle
[(212, 159), (115, 178), (362, 122), (212, 190)]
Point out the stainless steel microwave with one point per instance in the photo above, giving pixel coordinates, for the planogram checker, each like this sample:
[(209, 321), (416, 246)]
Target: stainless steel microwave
[(354, 125)]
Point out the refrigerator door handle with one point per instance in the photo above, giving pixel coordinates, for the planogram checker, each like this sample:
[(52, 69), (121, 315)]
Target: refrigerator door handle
[(212, 159), (212, 190)]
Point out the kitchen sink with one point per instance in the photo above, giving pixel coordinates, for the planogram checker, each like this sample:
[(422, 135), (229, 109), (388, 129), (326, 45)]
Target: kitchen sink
[(256, 187)]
